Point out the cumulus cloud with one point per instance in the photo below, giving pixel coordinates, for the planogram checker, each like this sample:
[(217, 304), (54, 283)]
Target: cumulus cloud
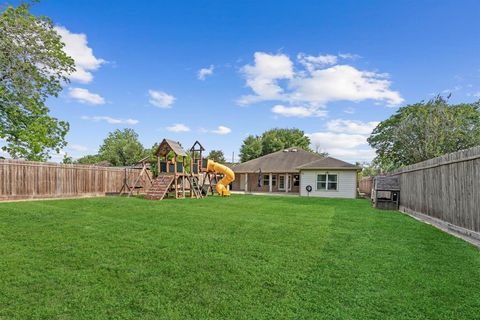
[(313, 62), (161, 99), (343, 82), (222, 130), (349, 126), (76, 46), (111, 120), (299, 112), (345, 139), (77, 147), (351, 56), (178, 127), (349, 147), (262, 77), (322, 80), (204, 72), (85, 96)]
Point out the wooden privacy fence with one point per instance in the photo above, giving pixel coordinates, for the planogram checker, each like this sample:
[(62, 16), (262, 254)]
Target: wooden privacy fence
[(365, 185), (39, 180), (445, 188)]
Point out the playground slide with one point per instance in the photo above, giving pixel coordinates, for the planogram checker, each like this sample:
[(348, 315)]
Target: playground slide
[(228, 176)]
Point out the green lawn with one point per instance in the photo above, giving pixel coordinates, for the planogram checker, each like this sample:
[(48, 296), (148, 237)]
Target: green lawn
[(243, 257)]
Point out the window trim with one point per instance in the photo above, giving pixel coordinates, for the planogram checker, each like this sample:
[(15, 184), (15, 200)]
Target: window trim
[(285, 179), (326, 182)]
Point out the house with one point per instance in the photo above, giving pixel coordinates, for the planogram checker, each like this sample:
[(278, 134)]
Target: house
[(294, 171)]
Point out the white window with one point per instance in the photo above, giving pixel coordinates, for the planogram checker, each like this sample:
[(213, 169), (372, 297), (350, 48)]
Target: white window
[(327, 181), (274, 180), (282, 182)]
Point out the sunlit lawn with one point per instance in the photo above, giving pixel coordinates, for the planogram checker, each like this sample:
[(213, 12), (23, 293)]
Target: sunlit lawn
[(243, 257)]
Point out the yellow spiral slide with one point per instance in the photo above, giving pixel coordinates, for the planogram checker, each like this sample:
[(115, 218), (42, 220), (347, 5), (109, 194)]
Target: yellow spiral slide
[(228, 177)]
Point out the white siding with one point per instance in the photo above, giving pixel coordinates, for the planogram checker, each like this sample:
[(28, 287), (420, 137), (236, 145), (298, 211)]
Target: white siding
[(347, 183)]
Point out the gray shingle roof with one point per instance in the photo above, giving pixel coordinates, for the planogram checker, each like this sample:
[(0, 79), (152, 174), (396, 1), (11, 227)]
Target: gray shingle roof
[(328, 163), (283, 161)]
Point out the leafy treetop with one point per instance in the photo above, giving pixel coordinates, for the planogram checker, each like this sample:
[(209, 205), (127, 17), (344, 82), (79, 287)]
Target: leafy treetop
[(273, 140), (425, 130), (33, 67)]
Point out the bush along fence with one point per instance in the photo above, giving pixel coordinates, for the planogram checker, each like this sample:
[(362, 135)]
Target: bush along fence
[(445, 189), (38, 180)]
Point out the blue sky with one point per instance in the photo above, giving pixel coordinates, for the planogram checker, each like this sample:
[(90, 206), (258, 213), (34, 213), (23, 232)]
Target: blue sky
[(333, 69)]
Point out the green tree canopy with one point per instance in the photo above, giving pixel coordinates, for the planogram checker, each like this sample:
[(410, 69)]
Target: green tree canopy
[(217, 156), (122, 148), (251, 148), (33, 67), (89, 159), (273, 140), (425, 130)]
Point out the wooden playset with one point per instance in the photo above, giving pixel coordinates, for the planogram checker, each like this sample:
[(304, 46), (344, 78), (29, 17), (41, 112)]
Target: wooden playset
[(133, 182), (186, 176)]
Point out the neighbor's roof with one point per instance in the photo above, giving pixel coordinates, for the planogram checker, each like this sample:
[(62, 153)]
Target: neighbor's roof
[(329, 163), (168, 145), (282, 161)]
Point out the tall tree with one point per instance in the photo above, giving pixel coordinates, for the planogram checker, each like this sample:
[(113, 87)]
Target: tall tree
[(33, 67), (278, 139), (425, 130), (271, 141), (251, 148), (217, 156), (122, 148), (89, 159)]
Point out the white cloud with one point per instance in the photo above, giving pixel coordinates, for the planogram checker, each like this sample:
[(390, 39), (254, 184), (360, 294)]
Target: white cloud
[(204, 72), (364, 154), (345, 139), (349, 147), (351, 126), (349, 110), (111, 120), (263, 76), (179, 127), (330, 140), (299, 112), (343, 82), (85, 96), (77, 147), (351, 56), (76, 46), (161, 99), (313, 62), (321, 81), (222, 130)]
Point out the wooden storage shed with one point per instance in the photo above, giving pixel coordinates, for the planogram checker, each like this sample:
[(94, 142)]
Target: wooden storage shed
[(386, 192)]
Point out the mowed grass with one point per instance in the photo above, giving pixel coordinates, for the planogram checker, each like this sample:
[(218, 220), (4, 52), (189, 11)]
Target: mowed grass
[(243, 257)]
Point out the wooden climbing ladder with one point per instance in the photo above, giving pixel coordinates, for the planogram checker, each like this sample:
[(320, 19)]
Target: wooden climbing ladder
[(160, 187), (195, 187)]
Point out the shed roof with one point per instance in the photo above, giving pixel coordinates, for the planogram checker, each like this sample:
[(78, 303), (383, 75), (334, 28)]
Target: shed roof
[(282, 161), (329, 163), (168, 145), (388, 183)]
